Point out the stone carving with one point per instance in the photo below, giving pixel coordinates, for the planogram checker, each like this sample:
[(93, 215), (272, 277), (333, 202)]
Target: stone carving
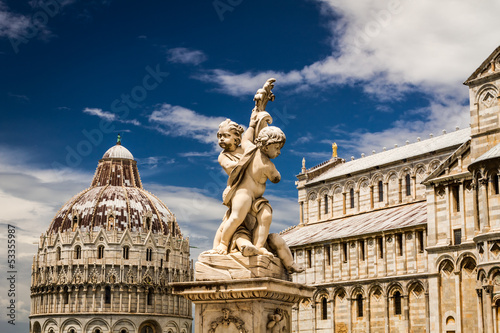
[(225, 321), (246, 158), (277, 322)]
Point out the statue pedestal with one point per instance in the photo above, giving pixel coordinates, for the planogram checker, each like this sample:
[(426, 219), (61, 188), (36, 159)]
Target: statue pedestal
[(257, 305)]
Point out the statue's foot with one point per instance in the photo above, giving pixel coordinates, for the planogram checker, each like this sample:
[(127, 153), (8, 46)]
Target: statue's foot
[(294, 268), (263, 251), (221, 249), (249, 250)]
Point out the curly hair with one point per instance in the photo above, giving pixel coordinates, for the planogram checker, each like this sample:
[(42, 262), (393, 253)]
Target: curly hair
[(231, 126), (269, 135)]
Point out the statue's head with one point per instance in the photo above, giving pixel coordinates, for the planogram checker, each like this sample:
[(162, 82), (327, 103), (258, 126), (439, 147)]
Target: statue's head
[(270, 141), (229, 135)]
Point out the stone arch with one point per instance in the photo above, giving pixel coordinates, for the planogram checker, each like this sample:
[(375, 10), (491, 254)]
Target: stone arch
[(464, 256), (378, 176), (404, 171), (481, 274), (418, 168), (312, 195), (393, 287), (442, 258), (71, 323), (172, 325), (433, 165), (153, 324), (96, 323), (124, 324), (318, 294), (389, 175), (48, 324), (415, 285), (36, 328), (356, 290), (335, 189), (495, 270), (483, 91), (348, 185), (361, 181), (322, 191)]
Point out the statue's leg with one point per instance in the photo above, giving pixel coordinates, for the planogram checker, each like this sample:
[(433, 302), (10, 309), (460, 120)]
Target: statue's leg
[(240, 206), (261, 231), (278, 244)]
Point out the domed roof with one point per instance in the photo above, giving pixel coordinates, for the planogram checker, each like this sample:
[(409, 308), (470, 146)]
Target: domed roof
[(115, 200), (118, 151)]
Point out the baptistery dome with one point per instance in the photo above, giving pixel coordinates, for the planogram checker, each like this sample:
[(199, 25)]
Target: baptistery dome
[(107, 259)]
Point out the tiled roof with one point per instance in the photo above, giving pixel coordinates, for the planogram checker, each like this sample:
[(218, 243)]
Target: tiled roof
[(360, 224), (396, 154)]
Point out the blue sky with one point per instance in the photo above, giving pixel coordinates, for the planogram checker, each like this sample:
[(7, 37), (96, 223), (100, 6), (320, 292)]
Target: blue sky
[(364, 74)]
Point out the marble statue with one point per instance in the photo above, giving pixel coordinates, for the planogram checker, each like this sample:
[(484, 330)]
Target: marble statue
[(246, 158)]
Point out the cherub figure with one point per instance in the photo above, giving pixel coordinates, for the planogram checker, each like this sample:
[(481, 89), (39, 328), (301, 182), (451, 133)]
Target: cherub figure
[(246, 223)]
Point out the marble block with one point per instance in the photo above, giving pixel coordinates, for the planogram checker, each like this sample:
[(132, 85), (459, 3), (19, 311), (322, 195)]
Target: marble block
[(233, 266)]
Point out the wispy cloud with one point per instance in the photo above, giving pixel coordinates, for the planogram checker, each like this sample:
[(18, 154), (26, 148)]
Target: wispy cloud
[(22, 98), (184, 55), (174, 120), (106, 115)]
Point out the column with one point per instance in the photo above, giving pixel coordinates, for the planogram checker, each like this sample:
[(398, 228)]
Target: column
[(463, 209), (480, 326), (449, 209), (85, 299), (332, 302), (371, 196), (319, 207), (129, 299), (306, 212), (331, 204), (315, 315), (386, 317), (414, 187), (350, 300), (406, 310), (405, 262), (112, 297), (427, 312), (301, 212), (458, 321), (483, 203), (386, 193), (495, 309), (400, 193), (489, 318), (344, 194), (357, 200), (368, 313)]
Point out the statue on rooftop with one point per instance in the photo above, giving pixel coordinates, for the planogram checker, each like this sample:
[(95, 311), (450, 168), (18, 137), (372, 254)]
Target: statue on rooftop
[(246, 158)]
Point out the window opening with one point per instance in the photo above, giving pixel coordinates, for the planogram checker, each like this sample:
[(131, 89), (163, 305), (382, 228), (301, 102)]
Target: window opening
[(107, 295), (397, 303), (351, 197), (324, 308), (457, 235), (344, 250), (380, 191), (362, 250), (100, 252), (359, 300), (408, 184)]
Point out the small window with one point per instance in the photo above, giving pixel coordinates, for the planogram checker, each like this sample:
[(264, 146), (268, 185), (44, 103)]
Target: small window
[(148, 223), (326, 203), (359, 301), (455, 192), (100, 252), (399, 238), (75, 223), (380, 191), (362, 250), (420, 235), (309, 258), (494, 180), (107, 295), (457, 236), (149, 254), (65, 295), (78, 252), (167, 256), (380, 242), (327, 255), (324, 308), (408, 184), (58, 253), (125, 252), (150, 296), (345, 248), (351, 197), (397, 303)]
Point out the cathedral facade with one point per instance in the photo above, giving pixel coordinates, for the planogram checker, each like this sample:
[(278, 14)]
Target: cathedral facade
[(407, 239), (105, 263)]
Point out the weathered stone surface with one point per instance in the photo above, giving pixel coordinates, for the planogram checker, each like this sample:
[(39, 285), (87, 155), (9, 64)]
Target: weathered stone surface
[(214, 267)]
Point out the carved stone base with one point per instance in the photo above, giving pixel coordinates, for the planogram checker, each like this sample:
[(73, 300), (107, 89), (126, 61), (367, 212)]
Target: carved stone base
[(243, 306), (210, 267)]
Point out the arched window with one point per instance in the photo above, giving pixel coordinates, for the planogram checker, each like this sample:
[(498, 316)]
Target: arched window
[(149, 254), (397, 303), (147, 329), (380, 191), (100, 252), (75, 222), (167, 256), (324, 308), (408, 184), (150, 296), (148, 223), (78, 252), (97, 330), (359, 301), (351, 197), (58, 253), (107, 295), (125, 252)]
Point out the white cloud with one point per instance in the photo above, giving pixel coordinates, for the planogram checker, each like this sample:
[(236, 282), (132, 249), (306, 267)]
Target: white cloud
[(13, 25), (174, 120), (106, 115), (390, 47), (184, 55)]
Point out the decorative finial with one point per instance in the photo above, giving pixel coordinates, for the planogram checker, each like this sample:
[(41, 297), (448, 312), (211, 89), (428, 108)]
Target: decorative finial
[(384, 149), (444, 131), (119, 139), (457, 128), (352, 158), (395, 145), (362, 155), (303, 164), (407, 142), (418, 139), (334, 150), (431, 135), (373, 152)]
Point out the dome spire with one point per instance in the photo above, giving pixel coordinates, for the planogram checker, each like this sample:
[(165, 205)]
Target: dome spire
[(119, 140)]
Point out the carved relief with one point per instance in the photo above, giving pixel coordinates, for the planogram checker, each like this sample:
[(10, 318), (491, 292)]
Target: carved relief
[(223, 323), (488, 97), (277, 322)]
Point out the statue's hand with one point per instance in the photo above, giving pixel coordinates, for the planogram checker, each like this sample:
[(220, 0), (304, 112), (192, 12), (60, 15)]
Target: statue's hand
[(253, 119)]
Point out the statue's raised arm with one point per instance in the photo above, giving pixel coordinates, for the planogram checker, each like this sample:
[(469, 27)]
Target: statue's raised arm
[(259, 114)]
